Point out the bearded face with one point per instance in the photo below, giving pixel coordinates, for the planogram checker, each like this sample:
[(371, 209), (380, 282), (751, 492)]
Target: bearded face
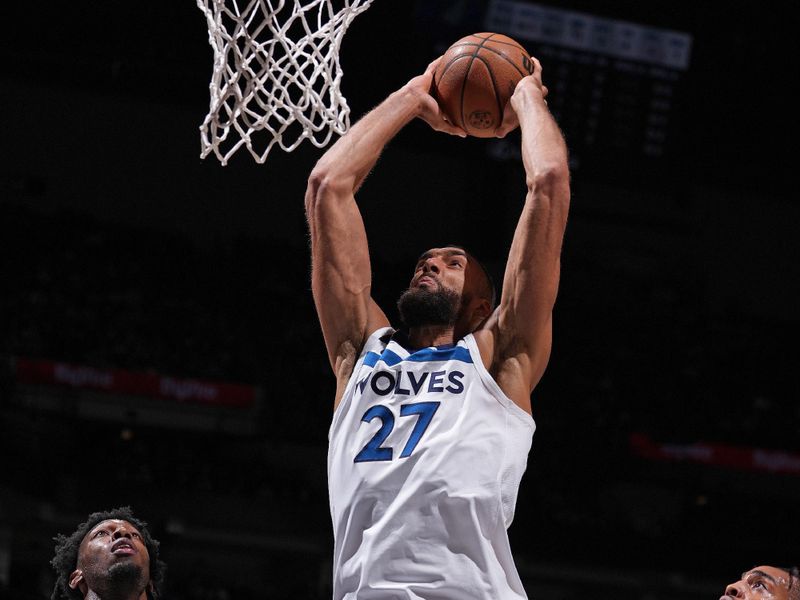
[(424, 307)]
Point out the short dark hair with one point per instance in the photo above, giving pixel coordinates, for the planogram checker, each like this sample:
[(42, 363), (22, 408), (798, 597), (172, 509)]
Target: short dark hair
[(65, 560)]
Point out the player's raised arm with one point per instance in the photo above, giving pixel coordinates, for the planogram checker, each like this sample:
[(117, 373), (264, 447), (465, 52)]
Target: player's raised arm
[(522, 323), (340, 265)]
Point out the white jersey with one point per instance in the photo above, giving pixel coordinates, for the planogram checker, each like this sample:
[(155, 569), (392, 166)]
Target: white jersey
[(425, 459)]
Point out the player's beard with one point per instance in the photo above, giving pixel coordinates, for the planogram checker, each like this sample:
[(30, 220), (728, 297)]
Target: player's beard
[(420, 307)]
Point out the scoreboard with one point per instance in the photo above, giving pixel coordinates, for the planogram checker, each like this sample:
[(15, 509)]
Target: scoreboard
[(615, 86)]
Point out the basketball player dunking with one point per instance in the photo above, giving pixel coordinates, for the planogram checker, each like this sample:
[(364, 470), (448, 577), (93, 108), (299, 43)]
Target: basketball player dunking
[(432, 423)]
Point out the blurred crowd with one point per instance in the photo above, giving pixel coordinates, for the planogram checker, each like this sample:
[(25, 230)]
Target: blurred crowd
[(642, 349), (632, 354)]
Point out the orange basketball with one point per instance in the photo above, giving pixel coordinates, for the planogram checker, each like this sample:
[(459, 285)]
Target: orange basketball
[(475, 79)]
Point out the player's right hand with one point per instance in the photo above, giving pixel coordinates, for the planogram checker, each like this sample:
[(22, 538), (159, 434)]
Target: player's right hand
[(428, 109)]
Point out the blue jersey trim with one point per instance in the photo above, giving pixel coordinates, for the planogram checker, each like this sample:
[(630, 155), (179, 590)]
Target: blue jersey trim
[(458, 353), (388, 357)]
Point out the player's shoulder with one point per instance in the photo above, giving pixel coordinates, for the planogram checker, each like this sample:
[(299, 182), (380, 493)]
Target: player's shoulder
[(378, 339)]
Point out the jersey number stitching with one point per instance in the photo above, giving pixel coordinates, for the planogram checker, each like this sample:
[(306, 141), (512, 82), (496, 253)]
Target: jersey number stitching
[(373, 451)]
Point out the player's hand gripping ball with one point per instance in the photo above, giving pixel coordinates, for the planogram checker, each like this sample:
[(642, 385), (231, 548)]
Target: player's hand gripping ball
[(475, 79)]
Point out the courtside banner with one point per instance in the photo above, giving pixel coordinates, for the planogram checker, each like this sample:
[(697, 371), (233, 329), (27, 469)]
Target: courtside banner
[(135, 383), (742, 458)]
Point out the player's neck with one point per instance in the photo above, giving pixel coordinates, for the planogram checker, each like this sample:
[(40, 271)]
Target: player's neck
[(430, 335)]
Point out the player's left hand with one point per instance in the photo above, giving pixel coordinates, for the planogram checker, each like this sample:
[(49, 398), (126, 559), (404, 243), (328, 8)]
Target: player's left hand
[(528, 88)]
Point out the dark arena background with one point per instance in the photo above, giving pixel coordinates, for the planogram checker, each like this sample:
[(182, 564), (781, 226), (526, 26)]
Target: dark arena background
[(159, 346)]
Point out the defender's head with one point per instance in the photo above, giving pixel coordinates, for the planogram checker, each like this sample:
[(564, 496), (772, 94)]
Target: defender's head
[(113, 554), (765, 583), (449, 287)]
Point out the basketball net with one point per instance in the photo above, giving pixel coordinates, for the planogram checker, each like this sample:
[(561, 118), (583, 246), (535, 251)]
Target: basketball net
[(276, 74)]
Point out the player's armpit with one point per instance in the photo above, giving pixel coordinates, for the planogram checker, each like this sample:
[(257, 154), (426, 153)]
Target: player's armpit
[(522, 357), (515, 362)]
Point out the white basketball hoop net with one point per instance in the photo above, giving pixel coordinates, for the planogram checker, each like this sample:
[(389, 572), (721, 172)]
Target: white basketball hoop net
[(276, 74)]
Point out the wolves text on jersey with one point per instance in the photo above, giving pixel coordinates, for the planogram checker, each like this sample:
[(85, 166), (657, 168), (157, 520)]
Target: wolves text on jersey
[(407, 383)]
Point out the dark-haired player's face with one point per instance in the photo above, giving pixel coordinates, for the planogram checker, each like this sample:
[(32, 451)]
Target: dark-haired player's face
[(445, 266), (437, 288), (446, 287), (114, 551), (761, 583)]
